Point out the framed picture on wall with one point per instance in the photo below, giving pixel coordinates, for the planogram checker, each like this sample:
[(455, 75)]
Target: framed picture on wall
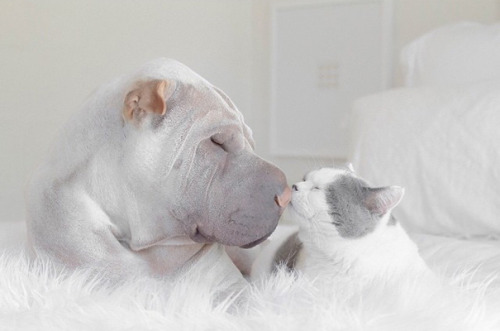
[(325, 55)]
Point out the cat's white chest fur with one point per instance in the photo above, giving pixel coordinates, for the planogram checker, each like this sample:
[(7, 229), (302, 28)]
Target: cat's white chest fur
[(387, 252)]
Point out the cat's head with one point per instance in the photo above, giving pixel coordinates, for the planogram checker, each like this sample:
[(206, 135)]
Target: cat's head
[(334, 202)]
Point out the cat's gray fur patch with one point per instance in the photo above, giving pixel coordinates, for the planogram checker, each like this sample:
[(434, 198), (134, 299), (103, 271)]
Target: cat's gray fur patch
[(345, 197), (288, 252)]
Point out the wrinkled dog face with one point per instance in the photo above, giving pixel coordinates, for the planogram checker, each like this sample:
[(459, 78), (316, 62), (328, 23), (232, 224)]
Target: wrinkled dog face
[(205, 176)]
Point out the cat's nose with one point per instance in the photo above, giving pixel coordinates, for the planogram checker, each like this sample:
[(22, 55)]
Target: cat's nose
[(294, 187)]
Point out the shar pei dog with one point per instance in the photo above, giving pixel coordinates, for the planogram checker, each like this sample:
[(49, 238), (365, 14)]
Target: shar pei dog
[(158, 169)]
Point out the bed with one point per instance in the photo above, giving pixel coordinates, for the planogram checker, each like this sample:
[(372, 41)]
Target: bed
[(438, 137)]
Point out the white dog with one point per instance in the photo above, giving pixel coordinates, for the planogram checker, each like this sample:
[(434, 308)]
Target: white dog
[(156, 169)]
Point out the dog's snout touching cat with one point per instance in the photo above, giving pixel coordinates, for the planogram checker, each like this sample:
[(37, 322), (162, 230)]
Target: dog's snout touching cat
[(283, 199)]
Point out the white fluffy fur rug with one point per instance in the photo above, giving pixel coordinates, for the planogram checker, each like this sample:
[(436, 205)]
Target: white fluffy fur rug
[(34, 295)]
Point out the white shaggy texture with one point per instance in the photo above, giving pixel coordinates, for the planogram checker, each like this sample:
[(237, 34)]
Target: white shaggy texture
[(35, 295)]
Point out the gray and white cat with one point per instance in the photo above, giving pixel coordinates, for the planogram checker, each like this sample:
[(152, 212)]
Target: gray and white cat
[(346, 227)]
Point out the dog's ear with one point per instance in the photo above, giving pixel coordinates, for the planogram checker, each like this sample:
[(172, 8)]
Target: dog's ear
[(146, 97)]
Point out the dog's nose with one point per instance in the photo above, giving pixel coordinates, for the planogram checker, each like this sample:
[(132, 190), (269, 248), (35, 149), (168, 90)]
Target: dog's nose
[(294, 187), (284, 198)]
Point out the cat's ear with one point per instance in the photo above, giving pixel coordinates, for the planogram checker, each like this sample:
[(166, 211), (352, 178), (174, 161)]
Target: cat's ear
[(380, 201), (350, 167)]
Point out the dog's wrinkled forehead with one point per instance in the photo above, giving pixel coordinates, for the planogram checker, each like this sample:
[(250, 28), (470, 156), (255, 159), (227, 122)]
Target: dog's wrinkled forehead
[(195, 94)]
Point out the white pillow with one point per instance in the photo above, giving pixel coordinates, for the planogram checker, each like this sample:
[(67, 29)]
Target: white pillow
[(455, 54), (443, 145)]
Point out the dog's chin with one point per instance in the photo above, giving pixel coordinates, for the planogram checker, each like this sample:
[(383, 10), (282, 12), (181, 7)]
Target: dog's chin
[(256, 242), (200, 237)]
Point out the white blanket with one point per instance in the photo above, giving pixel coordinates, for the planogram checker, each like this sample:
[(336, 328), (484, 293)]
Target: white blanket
[(442, 145), (37, 296)]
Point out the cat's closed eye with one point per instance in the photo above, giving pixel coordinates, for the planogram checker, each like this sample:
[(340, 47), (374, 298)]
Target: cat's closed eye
[(335, 215)]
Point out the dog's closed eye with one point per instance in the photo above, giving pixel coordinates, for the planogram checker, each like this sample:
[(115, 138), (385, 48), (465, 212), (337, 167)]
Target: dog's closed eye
[(218, 142)]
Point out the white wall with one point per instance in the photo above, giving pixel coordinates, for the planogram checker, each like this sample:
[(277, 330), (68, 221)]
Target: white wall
[(412, 18), (53, 53)]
